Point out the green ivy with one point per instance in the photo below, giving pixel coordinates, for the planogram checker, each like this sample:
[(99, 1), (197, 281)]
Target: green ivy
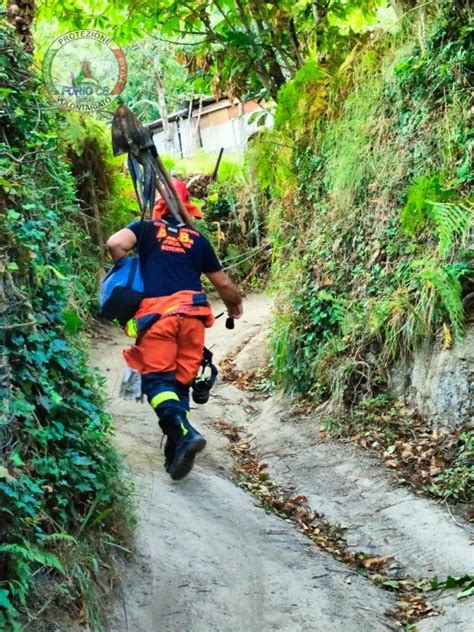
[(60, 477)]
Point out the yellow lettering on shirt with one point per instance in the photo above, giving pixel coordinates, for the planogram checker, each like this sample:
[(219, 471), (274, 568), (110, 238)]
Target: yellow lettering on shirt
[(162, 234), (178, 244)]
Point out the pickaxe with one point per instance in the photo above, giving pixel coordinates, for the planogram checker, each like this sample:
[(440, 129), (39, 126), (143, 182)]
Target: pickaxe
[(148, 173)]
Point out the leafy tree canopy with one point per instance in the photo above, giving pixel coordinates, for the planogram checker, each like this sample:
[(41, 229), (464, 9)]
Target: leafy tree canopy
[(248, 48), (153, 73)]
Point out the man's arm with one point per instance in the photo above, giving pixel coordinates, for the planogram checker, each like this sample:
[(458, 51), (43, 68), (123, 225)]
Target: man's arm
[(120, 243), (228, 292)]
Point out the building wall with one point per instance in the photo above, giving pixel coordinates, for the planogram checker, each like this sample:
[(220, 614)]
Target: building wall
[(219, 126)]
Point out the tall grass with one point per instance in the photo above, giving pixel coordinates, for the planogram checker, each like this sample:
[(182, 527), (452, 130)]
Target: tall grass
[(370, 202)]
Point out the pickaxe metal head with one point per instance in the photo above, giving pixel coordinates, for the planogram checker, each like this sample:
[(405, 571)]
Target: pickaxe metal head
[(128, 134)]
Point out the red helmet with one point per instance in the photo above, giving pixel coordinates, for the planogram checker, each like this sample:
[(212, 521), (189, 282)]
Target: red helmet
[(160, 209), (181, 189)]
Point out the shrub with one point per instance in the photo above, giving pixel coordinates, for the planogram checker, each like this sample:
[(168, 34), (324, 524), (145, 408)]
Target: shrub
[(370, 209), (60, 478)]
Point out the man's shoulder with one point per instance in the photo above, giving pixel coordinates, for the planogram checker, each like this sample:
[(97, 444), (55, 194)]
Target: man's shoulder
[(137, 223)]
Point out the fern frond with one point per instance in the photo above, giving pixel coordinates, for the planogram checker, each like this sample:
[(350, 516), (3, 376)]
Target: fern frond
[(19, 587), (73, 132), (7, 606), (32, 554), (452, 222), (415, 212), (78, 129), (59, 537), (446, 290)]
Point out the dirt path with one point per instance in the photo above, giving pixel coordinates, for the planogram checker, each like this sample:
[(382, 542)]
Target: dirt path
[(208, 560)]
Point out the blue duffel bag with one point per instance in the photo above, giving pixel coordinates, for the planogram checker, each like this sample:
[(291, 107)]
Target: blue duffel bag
[(122, 290)]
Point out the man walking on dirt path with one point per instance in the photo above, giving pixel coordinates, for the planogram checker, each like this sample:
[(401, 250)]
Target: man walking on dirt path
[(170, 322)]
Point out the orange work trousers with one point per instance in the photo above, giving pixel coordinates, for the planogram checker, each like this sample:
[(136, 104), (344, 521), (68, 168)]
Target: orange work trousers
[(173, 343)]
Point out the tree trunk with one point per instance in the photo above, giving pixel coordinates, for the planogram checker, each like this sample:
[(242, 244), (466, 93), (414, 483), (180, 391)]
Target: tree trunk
[(194, 144), (276, 73), (167, 130), (258, 14), (98, 231), (320, 9), (295, 42), (314, 8)]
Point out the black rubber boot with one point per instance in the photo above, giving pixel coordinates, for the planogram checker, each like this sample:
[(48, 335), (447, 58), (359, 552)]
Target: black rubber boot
[(170, 449), (187, 441)]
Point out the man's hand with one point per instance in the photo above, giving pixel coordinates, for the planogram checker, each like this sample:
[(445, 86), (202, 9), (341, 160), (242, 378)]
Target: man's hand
[(236, 312), (228, 293), (120, 244)]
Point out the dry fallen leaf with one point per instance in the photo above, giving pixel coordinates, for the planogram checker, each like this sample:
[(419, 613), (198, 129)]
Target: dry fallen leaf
[(416, 606), (376, 563), (298, 500), (407, 453), (469, 513)]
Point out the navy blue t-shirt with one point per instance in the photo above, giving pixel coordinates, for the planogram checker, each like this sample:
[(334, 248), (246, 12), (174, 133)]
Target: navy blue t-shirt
[(173, 257)]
